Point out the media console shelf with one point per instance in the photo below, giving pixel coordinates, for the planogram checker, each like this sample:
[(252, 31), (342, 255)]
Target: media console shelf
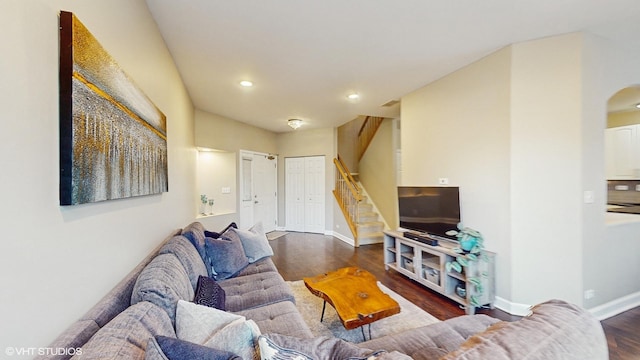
[(426, 265)]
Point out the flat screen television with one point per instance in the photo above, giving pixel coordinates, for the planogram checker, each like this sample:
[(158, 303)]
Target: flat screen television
[(429, 209)]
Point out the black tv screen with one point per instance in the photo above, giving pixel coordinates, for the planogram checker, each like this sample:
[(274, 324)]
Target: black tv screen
[(429, 209)]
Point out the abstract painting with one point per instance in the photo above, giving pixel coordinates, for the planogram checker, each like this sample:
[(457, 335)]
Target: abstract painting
[(113, 139)]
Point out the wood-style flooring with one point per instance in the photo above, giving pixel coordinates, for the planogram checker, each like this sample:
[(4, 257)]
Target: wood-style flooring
[(299, 255)]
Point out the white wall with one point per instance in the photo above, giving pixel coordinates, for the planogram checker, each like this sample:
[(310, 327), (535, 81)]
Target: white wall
[(56, 262)]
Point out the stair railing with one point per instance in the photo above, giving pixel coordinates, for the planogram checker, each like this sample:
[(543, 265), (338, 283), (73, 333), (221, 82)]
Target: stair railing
[(367, 132), (348, 196)]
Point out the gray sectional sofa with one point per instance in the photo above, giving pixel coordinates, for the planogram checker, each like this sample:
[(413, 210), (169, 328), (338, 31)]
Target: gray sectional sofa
[(144, 307)]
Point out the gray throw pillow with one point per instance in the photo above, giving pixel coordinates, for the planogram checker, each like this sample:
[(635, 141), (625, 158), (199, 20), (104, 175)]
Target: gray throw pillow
[(164, 347), (254, 241), (277, 347), (226, 255)]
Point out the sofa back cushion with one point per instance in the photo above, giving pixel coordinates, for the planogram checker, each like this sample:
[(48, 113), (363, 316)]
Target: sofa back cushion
[(194, 232), (189, 257), (554, 330), (126, 336), (163, 282)]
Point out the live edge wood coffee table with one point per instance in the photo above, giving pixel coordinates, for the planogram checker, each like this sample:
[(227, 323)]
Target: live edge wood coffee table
[(355, 295)]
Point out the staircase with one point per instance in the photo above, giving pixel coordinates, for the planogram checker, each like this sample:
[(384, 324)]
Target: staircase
[(363, 221), (369, 227), (356, 207)]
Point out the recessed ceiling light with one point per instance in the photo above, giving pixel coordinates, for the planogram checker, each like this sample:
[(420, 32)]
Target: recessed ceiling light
[(353, 96), (246, 83)]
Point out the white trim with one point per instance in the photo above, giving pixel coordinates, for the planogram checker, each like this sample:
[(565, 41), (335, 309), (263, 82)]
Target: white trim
[(339, 236), (616, 306), (511, 307)]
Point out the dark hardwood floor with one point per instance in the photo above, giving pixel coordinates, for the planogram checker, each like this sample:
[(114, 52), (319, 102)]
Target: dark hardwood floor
[(299, 255)]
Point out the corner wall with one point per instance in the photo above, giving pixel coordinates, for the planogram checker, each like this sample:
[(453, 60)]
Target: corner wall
[(56, 262), (378, 173), (458, 128)]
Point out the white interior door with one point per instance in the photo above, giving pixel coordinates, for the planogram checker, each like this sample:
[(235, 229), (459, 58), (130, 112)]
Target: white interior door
[(294, 194), (305, 194), (265, 204), (314, 194), (258, 190)]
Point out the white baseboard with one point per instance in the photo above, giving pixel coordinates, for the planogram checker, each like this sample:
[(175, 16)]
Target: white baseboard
[(511, 307), (615, 307), (345, 239)]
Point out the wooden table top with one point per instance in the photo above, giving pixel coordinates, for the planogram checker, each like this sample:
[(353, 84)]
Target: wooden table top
[(354, 294)]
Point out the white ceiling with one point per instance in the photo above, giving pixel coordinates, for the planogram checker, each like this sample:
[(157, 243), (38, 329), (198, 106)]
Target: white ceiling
[(305, 57)]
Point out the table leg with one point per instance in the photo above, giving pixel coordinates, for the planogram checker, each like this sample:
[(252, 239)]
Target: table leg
[(324, 305)]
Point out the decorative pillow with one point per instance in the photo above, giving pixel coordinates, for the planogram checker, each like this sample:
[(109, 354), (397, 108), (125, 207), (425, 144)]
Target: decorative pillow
[(226, 255), (209, 293), (167, 348), (277, 347), (215, 328), (215, 235), (255, 243), (196, 323)]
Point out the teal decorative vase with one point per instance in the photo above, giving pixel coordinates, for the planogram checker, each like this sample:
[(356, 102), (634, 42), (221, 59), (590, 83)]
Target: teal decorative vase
[(468, 243)]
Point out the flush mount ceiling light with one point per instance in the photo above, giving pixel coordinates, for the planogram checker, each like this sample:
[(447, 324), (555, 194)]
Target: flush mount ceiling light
[(294, 123), (353, 96), (246, 83)]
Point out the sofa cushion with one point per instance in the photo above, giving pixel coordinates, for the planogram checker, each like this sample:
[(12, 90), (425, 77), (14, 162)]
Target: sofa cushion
[(194, 232), (73, 338), (189, 257), (260, 266), (126, 336), (226, 255), (254, 242), (277, 346), (445, 335), (163, 282), (280, 318), (209, 293), (554, 330), (167, 348), (218, 329), (255, 290)]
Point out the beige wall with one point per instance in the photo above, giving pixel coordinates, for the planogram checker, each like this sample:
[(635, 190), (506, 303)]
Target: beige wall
[(525, 133), (546, 165), (623, 119), (56, 262), (217, 132), (610, 252), (458, 128), (378, 173)]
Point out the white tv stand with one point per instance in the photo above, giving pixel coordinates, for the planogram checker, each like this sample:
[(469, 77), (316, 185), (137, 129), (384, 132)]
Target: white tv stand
[(426, 265)]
